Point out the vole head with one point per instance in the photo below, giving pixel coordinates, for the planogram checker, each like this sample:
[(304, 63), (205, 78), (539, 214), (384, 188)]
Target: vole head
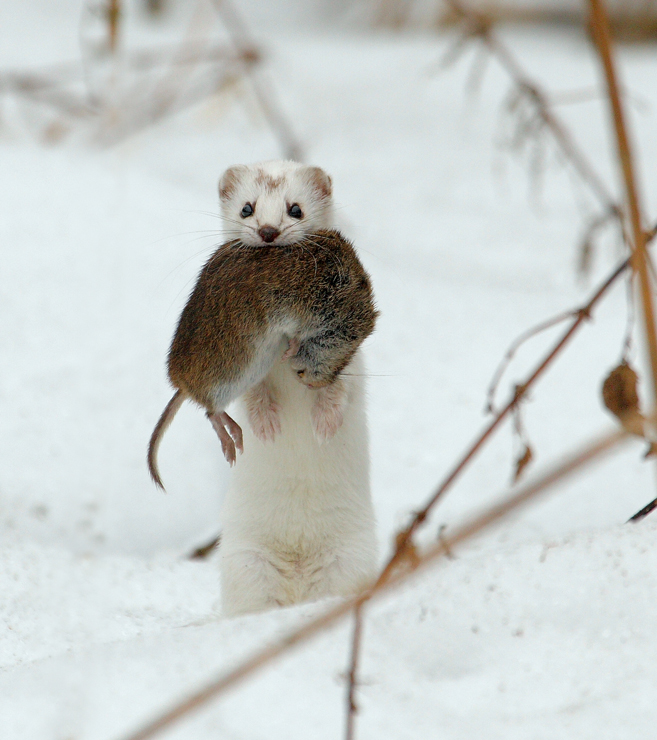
[(275, 202)]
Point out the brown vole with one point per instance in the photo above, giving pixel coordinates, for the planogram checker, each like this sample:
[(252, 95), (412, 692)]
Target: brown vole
[(310, 301)]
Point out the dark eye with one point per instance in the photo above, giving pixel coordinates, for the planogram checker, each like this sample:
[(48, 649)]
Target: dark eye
[(247, 211), (294, 211)]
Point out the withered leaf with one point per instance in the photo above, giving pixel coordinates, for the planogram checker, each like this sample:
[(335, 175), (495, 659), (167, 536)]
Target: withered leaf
[(522, 462), (619, 393)]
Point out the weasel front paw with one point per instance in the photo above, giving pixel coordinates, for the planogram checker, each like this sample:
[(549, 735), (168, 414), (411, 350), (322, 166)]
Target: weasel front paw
[(327, 413), (263, 412)]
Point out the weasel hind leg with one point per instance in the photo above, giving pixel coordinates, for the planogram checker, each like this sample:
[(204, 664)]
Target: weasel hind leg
[(249, 583), (229, 433)]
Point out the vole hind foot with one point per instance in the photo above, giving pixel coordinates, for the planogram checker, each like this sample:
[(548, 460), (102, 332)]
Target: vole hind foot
[(262, 410), (328, 410), (229, 433)]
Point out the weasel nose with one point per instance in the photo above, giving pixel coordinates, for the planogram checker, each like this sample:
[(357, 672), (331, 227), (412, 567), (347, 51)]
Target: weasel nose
[(268, 234)]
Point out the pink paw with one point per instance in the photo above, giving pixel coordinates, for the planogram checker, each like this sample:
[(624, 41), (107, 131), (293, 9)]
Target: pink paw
[(328, 411), (262, 411), (229, 433)]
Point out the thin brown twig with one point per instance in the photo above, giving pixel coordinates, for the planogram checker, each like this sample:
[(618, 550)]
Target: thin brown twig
[(602, 37), (539, 328), (514, 347), (470, 529), (404, 538), (352, 675)]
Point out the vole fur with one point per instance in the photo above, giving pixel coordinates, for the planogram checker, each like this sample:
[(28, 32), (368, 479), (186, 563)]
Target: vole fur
[(249, 303)]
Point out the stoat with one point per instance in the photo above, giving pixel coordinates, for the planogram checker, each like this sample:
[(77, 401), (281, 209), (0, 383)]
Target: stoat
[(277, 318)]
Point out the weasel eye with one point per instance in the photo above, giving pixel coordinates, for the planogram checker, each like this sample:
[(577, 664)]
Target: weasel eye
[(247, 211), (294, 211)]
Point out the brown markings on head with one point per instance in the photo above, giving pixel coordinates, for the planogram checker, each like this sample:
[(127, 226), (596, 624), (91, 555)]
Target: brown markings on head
[(229, 180), (268, 182), (320, 181)]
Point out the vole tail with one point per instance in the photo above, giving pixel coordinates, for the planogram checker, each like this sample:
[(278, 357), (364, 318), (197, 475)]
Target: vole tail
[(162, 425)]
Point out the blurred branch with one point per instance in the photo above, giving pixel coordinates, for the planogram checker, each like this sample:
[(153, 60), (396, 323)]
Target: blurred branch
[(631, 21), (352, 676), (470, 529), (534, 114), (479, 26), (204, 551), (263, 88), (114, 14), (154, 83), (62, 87)]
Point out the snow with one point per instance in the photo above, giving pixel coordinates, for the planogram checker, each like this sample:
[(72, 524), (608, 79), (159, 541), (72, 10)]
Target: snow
[(542, 628)]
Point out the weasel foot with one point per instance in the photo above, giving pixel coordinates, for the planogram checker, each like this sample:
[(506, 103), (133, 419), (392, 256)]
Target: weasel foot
[(262, 411), (327, 413), (229, 433)]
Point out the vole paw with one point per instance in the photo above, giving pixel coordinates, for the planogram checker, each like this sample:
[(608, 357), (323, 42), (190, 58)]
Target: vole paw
[(313, 380), (229, 433), (292, 349), (327, 413), (263, 412)]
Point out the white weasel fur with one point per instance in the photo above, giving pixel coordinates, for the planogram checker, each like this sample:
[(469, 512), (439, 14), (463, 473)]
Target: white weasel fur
[(297, 521)]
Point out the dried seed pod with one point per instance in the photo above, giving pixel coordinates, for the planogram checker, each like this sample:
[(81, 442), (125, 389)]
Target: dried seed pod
[(619, 393), (406, 547), (522, 462)]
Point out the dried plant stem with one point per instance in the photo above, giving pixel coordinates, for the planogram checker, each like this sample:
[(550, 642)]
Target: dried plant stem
[(514, 347), (475, 526), (640, 259), (352, 676), (113, 20), (643, 513), (262, 89), (481, 27), (58, 75), (404, 545)]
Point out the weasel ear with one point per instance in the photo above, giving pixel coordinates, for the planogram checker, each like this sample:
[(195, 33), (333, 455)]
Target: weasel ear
[(320, 181), (230, 179)]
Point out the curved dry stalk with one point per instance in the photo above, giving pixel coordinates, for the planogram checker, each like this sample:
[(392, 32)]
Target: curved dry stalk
[(640, 259), (514, 347), (595, 225), (470, 529), (352, 675)]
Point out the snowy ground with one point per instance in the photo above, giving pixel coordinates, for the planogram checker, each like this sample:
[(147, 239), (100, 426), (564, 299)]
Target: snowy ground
[(544, 628)]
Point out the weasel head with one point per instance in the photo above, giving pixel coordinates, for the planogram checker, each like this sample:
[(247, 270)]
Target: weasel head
[(276, 202)]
